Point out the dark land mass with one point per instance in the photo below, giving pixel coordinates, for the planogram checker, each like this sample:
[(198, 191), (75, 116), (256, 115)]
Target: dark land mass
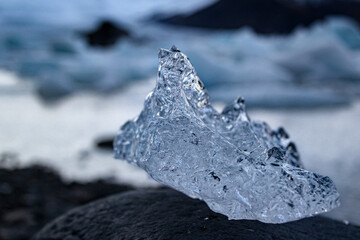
[(168, 214), (106, 34), (266, 16), (32, 197)]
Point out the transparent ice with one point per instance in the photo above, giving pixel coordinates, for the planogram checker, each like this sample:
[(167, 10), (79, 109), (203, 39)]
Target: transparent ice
[(239, 167)]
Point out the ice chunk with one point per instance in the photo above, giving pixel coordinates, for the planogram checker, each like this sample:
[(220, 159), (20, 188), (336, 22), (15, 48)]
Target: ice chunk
[(239, 167)]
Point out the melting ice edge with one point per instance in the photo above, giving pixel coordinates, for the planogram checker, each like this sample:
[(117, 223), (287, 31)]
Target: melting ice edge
[(239, 167)]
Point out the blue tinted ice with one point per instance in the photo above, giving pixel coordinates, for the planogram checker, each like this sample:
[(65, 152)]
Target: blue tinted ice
[(239, 167)]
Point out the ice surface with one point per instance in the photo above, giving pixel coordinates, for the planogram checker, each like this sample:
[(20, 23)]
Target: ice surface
[(239, 167)]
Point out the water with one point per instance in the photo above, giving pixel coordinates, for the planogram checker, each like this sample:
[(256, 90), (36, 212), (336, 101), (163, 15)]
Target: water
[(318, 64)]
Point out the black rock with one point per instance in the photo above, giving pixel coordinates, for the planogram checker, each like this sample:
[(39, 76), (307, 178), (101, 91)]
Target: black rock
[(105, 35), (32, 197), (266, 16), (105, 143), (168, 214)]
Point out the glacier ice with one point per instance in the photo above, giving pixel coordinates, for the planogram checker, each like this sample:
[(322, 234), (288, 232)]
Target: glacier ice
[(239, 167), (64, 64)]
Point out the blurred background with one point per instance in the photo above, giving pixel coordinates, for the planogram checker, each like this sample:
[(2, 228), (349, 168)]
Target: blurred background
[(72, 72)]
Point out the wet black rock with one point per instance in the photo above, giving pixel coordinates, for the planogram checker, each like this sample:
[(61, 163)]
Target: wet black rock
[(168, 214), (106, 34), (266, 16), (105, 143), (32, 197)]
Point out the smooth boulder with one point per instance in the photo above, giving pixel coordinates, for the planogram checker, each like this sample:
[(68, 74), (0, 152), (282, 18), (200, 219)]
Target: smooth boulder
[(168, 214)]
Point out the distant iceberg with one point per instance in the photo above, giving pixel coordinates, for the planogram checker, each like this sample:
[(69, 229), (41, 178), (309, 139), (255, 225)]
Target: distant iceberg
[(319, 63)]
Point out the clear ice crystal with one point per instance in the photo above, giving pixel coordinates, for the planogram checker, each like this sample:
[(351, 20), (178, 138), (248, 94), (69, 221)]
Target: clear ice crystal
[(239, 167)]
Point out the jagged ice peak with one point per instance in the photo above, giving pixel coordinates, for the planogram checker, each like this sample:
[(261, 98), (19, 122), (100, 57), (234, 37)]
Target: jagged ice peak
[(239, 167)]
